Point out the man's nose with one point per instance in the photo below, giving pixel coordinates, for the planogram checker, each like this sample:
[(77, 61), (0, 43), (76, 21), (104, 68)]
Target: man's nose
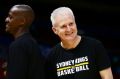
[(7, 19), (68, 28)]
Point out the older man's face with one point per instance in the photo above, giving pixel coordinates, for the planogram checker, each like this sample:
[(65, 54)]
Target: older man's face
[(65, 28)]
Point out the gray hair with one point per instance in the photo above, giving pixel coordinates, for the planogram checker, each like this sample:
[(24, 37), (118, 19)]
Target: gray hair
[(61, 11)]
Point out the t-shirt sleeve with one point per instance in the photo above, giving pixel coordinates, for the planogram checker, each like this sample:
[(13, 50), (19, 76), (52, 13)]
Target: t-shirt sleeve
[(102, 57)]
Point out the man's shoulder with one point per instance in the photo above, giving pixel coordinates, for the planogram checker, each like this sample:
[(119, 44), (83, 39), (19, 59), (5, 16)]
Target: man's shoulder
[(90, 39)]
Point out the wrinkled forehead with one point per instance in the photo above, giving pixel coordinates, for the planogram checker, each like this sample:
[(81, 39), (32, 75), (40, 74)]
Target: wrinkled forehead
[(61, 20), (62, 17)]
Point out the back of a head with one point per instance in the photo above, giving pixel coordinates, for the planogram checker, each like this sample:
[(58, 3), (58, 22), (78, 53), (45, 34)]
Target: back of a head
[(25, 11), (61, 11)]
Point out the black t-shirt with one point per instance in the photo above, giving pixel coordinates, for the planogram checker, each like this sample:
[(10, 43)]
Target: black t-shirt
[(25, 60), (83, 62)]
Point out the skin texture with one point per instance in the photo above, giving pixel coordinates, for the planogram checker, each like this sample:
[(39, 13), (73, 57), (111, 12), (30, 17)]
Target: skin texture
[(19, 20), (13, 21), (66, 29)]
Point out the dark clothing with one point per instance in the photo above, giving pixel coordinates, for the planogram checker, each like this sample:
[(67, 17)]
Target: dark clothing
[(83, 62), (25, 60)]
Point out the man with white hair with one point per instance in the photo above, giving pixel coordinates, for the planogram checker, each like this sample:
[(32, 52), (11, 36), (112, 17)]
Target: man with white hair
[(76, 56)]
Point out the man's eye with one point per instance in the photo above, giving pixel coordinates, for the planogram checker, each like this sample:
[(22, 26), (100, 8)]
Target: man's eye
[(63, 26), (70, 24), (10, 17)]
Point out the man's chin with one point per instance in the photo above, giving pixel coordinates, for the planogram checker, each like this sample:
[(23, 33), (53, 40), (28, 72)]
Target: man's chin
[(7, 30), (69, 39)]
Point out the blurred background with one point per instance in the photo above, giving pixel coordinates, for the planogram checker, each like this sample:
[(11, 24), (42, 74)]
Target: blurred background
[(98, 19)]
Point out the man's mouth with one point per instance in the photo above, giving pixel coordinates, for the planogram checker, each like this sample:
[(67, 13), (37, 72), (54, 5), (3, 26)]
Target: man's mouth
[(7, 26), (69, 33)]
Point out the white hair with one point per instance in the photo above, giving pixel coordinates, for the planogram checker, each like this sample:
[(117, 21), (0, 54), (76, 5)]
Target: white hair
[(61, 11)]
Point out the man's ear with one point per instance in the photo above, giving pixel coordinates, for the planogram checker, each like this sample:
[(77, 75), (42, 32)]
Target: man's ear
[(54, 30), (23, 21)]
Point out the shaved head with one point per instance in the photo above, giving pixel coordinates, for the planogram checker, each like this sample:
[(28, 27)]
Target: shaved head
[(24, 11)]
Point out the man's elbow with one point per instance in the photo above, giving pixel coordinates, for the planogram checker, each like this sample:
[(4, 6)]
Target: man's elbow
[(106, 73)]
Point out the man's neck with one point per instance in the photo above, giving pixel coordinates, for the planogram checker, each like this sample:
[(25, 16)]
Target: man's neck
[(71, 44), (19, 33)]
